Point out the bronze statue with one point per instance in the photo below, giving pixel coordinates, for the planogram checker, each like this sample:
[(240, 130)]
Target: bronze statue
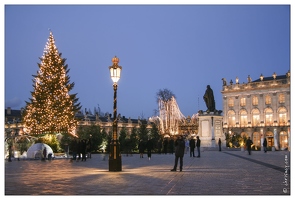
[(209, 99)]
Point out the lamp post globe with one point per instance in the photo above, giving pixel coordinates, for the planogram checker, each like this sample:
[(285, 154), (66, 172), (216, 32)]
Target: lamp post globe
[(115, 161)]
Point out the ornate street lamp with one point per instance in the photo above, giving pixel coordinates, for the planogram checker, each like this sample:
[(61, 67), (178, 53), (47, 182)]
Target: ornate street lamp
[(115, 161)]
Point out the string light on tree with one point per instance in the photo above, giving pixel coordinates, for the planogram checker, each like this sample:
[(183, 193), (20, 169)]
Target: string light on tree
[(51, 108)]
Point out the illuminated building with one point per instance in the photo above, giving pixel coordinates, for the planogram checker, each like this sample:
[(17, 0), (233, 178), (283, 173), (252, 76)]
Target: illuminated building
[(259, 109)]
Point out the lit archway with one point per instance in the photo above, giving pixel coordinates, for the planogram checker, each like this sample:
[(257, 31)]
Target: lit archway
[(283, 140)]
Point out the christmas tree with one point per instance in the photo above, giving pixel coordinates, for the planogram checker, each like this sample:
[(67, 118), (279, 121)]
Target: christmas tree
[(51, 109)]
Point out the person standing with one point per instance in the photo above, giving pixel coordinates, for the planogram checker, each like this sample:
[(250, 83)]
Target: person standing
[(198, 146), (192, 145), (74, 145), (179, 153), (265, 145), (83, 149), (219, 144), (149, 147), (249, 144), (141, 148)]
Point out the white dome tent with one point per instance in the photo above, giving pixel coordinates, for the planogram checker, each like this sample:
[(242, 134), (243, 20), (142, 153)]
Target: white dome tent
[(36, 151)]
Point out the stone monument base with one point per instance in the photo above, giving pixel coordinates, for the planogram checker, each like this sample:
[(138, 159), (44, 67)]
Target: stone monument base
[(210, 130)]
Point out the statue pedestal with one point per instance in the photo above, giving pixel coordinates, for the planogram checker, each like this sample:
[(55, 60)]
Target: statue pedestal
[(210, 130)]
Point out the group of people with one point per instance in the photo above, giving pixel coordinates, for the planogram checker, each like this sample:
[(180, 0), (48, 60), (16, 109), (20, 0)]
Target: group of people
[(249, 144), (81, 149), (142, 146), (193, 144)]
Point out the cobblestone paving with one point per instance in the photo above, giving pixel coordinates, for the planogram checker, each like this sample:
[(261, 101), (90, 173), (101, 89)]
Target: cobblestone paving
[(214, 173)]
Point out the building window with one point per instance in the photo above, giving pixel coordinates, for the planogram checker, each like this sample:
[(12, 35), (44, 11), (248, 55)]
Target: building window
[(243, 119), (255, 117), (255, 101), (231, 118), (243, 101), (268, 117), (282, 116), (267, 100), (281, 98), (256, 139), (231, 102)]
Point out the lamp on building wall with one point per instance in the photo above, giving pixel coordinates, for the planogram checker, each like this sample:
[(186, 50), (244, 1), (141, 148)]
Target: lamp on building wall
[(115, 161)]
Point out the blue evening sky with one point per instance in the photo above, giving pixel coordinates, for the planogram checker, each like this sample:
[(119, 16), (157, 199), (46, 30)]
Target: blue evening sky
[(182, 48)]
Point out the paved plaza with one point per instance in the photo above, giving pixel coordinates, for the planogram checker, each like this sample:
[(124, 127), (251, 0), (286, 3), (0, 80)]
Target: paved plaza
[(214, 173)]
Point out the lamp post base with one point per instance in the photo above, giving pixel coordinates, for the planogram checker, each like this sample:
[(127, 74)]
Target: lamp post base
[(115, 161)]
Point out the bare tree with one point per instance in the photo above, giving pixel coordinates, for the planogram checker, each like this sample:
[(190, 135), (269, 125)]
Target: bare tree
[(169, 112), (165, 95)]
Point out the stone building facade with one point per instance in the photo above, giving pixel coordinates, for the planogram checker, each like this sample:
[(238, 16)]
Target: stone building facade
[(14, 124), (259, 109)]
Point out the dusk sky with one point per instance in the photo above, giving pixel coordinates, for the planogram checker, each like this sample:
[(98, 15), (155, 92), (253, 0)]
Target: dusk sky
[(182, 48)]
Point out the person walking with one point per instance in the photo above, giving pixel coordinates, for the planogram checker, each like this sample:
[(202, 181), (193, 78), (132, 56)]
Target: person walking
[(192, 145), (198, 146), (249, 144), (149, 147), (219, 144), (179, 153), (265, 145), (141, 148)]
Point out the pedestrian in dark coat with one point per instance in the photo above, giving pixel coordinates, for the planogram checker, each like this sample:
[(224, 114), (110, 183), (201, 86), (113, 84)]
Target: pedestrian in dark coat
[(74, 147), (192, 145), (149, 147), (198, 146), (141, 148), (249, 144), (219, 144), (265, 145), (179, 153)]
